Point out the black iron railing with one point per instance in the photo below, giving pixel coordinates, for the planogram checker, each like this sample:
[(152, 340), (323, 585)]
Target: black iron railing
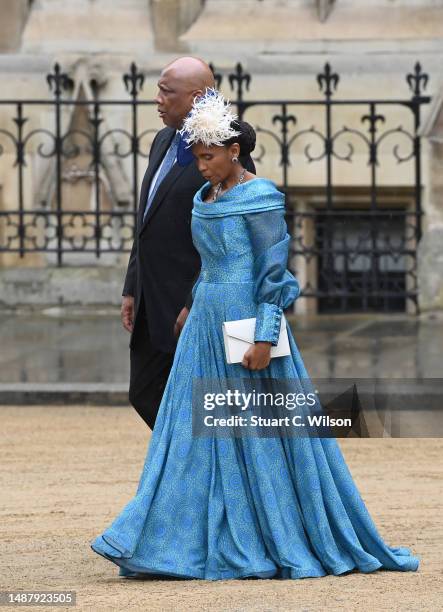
[(352, 270)]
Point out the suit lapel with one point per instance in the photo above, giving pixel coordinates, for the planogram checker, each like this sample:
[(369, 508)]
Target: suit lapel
[(162, 190), (155, 159)]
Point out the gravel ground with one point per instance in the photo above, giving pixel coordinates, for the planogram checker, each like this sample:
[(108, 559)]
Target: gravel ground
[(68, 470)]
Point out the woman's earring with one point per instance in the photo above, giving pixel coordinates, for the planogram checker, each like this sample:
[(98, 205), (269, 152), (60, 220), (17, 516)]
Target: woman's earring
[(234, 160)]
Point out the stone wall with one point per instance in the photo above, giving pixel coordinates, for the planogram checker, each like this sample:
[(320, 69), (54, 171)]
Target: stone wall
[(77, 286), (284, 44), (13, 15)]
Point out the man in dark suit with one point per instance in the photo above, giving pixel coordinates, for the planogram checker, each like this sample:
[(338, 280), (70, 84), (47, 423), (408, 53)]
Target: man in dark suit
[(164, 263)]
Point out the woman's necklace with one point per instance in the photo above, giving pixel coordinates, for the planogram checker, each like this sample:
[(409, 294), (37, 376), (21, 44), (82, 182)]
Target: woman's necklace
[(241, 178)]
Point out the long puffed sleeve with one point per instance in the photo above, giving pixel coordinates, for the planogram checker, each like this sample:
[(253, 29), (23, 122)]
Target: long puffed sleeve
[(275, 287)]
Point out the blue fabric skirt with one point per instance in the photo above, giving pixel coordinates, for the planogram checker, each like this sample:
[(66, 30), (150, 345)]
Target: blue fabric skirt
[(222, 508)]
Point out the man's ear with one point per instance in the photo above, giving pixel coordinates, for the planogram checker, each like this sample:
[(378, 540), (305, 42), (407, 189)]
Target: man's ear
[(197, 93)]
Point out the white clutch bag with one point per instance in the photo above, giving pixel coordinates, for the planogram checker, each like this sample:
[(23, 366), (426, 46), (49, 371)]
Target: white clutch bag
[(238, 336)]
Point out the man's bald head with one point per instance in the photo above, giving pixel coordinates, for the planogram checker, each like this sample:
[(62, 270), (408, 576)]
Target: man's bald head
[(180, 82), (193, 71)]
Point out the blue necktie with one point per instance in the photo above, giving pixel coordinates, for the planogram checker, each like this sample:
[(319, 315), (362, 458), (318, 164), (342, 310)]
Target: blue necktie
[(167, 165)]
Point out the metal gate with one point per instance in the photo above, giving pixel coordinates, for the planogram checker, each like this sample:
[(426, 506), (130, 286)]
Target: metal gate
[(350, 256)]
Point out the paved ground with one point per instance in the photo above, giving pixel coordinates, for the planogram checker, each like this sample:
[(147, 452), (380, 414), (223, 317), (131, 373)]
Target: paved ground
[(68, 470), (68, 346)]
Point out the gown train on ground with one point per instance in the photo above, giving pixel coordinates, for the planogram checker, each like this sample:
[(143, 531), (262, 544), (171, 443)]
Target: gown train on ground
[(219, 508)]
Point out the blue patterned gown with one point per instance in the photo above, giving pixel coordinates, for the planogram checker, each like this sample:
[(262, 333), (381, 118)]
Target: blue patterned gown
[(219, 508)]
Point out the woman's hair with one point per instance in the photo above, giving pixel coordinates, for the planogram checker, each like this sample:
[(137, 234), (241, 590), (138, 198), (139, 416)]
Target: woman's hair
[(246, 139)]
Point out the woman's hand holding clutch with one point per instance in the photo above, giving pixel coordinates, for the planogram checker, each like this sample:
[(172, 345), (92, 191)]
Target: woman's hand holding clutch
[(257, 356)]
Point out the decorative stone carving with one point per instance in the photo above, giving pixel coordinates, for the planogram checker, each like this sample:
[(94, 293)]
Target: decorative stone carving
[(324, 7)]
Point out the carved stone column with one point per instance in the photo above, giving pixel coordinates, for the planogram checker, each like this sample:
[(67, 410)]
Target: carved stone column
[(430, 249), (13, 14), (170, 19)]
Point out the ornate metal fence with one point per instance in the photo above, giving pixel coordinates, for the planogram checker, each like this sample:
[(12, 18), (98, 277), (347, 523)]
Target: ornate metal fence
[(357, 257)]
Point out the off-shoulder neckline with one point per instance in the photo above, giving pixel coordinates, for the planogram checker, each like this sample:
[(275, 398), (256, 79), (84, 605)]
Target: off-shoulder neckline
[(229, 192), (262, 194)]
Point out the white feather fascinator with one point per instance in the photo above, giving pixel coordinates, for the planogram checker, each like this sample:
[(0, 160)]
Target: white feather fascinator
[(209, 120)]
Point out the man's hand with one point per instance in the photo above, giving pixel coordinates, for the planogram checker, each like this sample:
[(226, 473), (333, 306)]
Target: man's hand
[(181, 320), (257, 356), (127, 312)]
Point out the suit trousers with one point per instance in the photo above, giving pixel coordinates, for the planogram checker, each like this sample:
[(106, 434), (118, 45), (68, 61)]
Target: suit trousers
[(149, 371)]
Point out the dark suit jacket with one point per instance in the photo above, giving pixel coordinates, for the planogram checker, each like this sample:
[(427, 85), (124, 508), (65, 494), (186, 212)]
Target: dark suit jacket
[(164, 264)]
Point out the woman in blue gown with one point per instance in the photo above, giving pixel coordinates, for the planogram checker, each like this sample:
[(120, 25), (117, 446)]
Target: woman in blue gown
[(221, 508)]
